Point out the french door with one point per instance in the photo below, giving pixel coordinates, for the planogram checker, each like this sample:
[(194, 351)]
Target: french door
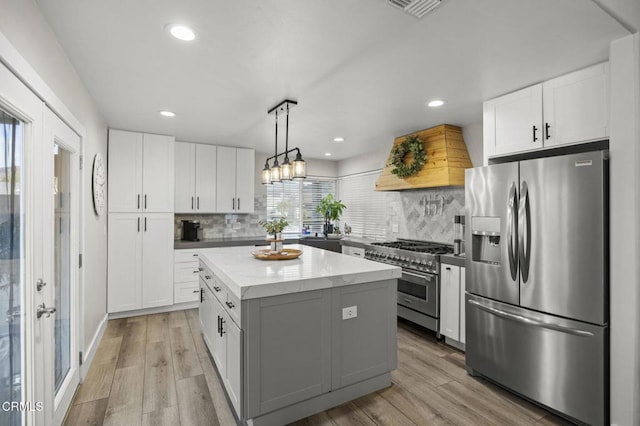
[(57, 312), (39, 235)]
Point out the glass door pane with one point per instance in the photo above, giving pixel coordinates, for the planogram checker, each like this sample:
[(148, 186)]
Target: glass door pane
[(11, 267), (62, 265)]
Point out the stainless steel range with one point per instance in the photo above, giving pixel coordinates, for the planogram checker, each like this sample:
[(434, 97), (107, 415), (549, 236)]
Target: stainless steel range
[(419, 287)]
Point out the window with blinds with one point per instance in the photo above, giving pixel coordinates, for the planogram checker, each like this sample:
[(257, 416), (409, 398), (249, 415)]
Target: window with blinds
[(366, 210), (297, 201)]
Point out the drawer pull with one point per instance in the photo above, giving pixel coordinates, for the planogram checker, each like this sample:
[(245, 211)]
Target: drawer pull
[(195, 255), (207, 277), (196, 291), (230, 305), (200, 269), (216, 288), (196, 272)]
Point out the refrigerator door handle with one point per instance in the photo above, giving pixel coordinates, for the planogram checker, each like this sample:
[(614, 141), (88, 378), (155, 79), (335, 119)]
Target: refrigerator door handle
[(524, 232), (512, 231), (531, 321)]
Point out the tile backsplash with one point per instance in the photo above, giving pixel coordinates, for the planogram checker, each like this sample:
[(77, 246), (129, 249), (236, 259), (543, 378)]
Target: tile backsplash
[(227, 225), (424, 214)]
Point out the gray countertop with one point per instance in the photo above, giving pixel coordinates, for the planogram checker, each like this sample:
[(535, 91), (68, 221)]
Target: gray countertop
[(226, 242), (451, 259)]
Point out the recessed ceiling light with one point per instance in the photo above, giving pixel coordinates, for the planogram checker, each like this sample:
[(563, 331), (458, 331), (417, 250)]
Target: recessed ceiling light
[(327, 154), (167, 114), (182, 32), (338, 139), (436, 103)]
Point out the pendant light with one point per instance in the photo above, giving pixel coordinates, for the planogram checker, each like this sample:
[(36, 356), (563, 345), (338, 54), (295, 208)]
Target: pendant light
[(288, 170)]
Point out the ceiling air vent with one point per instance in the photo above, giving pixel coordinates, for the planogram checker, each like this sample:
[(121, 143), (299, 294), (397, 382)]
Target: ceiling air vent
[(417, 8)]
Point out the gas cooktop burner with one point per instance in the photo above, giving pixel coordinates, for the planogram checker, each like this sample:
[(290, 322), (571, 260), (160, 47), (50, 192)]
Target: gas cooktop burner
[(418, 246)]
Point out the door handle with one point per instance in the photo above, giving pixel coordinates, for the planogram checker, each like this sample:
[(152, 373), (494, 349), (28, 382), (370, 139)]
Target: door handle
[(230, 304), (145, 224), (191, 203), (222, 332), (524, 234), (145, 201), (138, 224), (531, 321), (535, 129), (233, 204), (512, 231), (201, 295), (198, 203), (43, 310), (138, 201), (238, 203), (40, 283), (546, 131)]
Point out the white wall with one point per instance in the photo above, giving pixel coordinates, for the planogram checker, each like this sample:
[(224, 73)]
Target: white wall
[(22, 23), (625, 230), (627, 12)]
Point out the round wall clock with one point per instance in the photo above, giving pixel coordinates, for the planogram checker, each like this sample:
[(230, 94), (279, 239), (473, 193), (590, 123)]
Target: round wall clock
[(98, 184)]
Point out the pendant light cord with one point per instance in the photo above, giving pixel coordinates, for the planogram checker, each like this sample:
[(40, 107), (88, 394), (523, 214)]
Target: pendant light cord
[(286, 140)]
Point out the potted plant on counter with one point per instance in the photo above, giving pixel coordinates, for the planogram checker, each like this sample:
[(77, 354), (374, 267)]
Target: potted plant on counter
[(330, 209), (275, 227)]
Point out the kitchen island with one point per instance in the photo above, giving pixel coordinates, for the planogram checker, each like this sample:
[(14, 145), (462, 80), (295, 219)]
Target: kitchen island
[(291, 338)]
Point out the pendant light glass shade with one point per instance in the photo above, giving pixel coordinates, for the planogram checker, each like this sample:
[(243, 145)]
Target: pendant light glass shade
[(275, 172), (299, 167), (266, 174), (286, 171)]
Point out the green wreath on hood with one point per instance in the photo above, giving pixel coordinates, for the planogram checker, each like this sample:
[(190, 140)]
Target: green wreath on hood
[(411, 144)]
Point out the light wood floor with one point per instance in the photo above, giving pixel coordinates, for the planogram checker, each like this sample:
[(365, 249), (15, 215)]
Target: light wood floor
[(155, 370)]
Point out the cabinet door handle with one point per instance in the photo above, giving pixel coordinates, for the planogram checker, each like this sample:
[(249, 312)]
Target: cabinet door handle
[(535, 129), (196, 272), (145, 201), (145, 224), (219, 325), (230, 304), (547, 135), (216, 288), (207, 277), (238, 203), (201, 295), (191, 203), (233, 204), (138, 224), (222, 332), (447, 268), (198, 203), (138, 201)]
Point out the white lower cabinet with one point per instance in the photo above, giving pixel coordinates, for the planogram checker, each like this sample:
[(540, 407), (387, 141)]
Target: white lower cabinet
[(185, 276), (452, 288), (353, 251), (140, 261)]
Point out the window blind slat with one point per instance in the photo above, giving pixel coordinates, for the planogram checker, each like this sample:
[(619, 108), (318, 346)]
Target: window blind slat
[(297, 201), (366, 208)]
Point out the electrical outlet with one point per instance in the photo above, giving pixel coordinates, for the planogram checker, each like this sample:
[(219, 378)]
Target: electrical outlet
[(349, 312)]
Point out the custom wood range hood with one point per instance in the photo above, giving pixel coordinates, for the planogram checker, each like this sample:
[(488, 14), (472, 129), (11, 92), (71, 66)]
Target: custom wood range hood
[(447, 159)]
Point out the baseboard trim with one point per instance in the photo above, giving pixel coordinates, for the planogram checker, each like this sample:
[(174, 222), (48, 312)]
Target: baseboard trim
[(158, 310), (90, 351)]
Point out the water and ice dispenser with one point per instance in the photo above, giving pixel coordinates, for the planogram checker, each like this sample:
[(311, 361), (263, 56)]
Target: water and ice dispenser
[(485, 239)]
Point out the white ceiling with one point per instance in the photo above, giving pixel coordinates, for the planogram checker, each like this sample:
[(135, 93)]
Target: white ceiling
[(360, 69)]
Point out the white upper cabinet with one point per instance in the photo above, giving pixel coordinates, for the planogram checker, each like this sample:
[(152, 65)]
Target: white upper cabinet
[(125, 171), (514, 121), (206, 178), (235, 180), (569, 109), (185, 184), (140, 172), (576, 106), (195, 189), (245, 179)]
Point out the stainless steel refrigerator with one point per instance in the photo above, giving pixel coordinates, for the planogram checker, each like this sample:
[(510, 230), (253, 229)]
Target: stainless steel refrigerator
[(537, 281)]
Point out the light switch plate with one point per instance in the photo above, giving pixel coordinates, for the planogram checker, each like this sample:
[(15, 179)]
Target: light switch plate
[(394, 228), (349, 312)]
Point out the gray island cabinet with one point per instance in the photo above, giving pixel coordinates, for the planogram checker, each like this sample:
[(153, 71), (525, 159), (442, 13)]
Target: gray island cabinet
[(292, 338)]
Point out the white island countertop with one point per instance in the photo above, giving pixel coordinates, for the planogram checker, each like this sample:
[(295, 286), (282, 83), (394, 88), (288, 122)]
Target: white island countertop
[(251, 278)]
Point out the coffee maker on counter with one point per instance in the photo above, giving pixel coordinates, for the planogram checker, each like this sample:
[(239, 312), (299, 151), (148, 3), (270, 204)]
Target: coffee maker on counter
[(191, 230)]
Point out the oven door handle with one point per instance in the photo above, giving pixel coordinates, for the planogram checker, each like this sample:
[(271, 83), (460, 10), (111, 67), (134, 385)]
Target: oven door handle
[(426, 277)]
